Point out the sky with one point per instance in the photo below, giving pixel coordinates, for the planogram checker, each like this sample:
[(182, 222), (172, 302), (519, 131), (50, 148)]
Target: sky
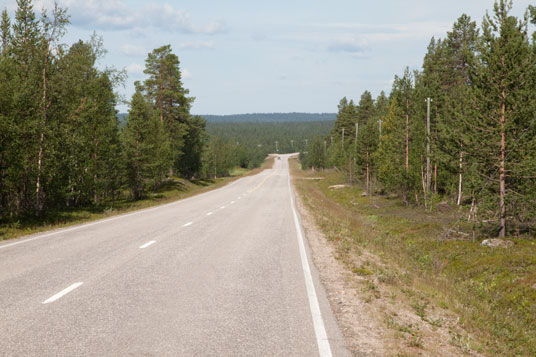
[(252, 56)]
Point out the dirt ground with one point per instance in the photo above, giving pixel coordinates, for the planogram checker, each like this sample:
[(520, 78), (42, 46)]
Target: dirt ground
[(377, 318)]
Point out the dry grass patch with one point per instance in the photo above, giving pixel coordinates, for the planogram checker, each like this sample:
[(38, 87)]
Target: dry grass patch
[(440, 297)]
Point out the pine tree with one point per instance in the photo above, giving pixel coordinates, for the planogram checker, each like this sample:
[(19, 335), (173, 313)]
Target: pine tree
[(145, 152), (5, 31), (164, 89), (190, 160), (401, 93), (390, 156), (346, 119), (459, 53), (502, 137)]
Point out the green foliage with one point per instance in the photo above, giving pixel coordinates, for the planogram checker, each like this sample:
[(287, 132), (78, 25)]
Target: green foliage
[(316, 154), (60, 143), (270, 118), (490, 289), (481, 148), (146, 149), (164, 90), (256, 140)]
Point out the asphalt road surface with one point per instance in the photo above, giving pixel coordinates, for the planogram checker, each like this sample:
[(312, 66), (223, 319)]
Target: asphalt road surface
[(224, 273)]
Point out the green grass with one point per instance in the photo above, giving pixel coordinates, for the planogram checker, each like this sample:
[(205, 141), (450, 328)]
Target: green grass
[(491, 289), (172, 190)]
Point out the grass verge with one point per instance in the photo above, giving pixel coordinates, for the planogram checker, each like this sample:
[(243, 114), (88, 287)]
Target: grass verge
[(172, 190), (491, 290)]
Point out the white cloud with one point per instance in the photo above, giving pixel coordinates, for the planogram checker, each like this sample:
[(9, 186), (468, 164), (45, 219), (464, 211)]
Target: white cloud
[(197, 45), (389, 32), (167, 17), (118, 15), (133, 50), (135, 69), (351, 44)]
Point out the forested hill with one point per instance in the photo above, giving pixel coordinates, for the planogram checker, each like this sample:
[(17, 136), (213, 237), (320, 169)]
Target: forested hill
[(270, 117), (260, 117)]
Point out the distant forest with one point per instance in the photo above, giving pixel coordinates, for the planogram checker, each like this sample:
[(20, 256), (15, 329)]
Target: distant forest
[(260, 138), (270, 117)]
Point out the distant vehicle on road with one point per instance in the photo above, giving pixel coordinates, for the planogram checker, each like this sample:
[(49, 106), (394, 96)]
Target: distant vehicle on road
[(279, 158)]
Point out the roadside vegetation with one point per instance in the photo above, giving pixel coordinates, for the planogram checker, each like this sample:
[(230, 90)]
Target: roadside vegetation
[(461, 130), (425, 177), (407, 253), (172, 190), (64, 153)]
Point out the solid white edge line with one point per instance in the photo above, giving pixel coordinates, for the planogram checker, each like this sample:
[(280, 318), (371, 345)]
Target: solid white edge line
[(84, 225), (188, 224), (62, 293), (324, 349), (147, 244)]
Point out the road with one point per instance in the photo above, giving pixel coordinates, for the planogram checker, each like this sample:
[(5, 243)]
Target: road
[(222, 273)]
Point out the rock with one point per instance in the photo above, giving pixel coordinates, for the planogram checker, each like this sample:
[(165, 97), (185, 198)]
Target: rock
[(364, 194), (497, 243), (443, 206), (334, 187), (534, 286)]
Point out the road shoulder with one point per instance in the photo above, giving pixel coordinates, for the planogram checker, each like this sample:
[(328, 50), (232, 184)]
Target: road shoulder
[(375, 317)]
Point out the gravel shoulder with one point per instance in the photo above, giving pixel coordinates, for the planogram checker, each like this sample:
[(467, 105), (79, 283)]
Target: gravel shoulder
[(377, 317)]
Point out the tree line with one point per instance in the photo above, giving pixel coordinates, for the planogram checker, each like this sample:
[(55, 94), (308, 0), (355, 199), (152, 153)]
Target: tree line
[(61, 145), (463, 128), (255, 140), (270, 117)]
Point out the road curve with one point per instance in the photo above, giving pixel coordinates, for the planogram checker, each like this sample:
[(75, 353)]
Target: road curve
[(223, 273)]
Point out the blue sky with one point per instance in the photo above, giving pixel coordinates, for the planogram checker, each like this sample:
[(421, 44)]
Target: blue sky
[(269, 56)]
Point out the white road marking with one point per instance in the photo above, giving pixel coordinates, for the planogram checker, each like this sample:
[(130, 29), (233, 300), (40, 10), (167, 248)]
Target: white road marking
[(239, 198), (222, 207), (62, 293), (147, 244), (209, 213), (322, 341), (84, 225), (232, 202), (188, 224)]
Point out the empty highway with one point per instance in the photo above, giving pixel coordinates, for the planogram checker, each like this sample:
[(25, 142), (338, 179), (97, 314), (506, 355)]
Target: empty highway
[(225, 273)]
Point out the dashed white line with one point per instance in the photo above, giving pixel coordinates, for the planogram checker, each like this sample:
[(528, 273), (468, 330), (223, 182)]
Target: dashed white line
[(222, 207), (232, 202), (147, 244), (209, 213), (106, 220), (62, 293), (188, 224)]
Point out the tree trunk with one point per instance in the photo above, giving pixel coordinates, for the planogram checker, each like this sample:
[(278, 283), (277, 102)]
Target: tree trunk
[(95, 178), (502, 175), (407, 135), (368, 174), (39, 197), (460, 182), (435, 178)]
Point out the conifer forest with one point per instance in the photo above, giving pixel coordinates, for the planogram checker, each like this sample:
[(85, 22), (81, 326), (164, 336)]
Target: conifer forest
[(61, 142), (462, 129)]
